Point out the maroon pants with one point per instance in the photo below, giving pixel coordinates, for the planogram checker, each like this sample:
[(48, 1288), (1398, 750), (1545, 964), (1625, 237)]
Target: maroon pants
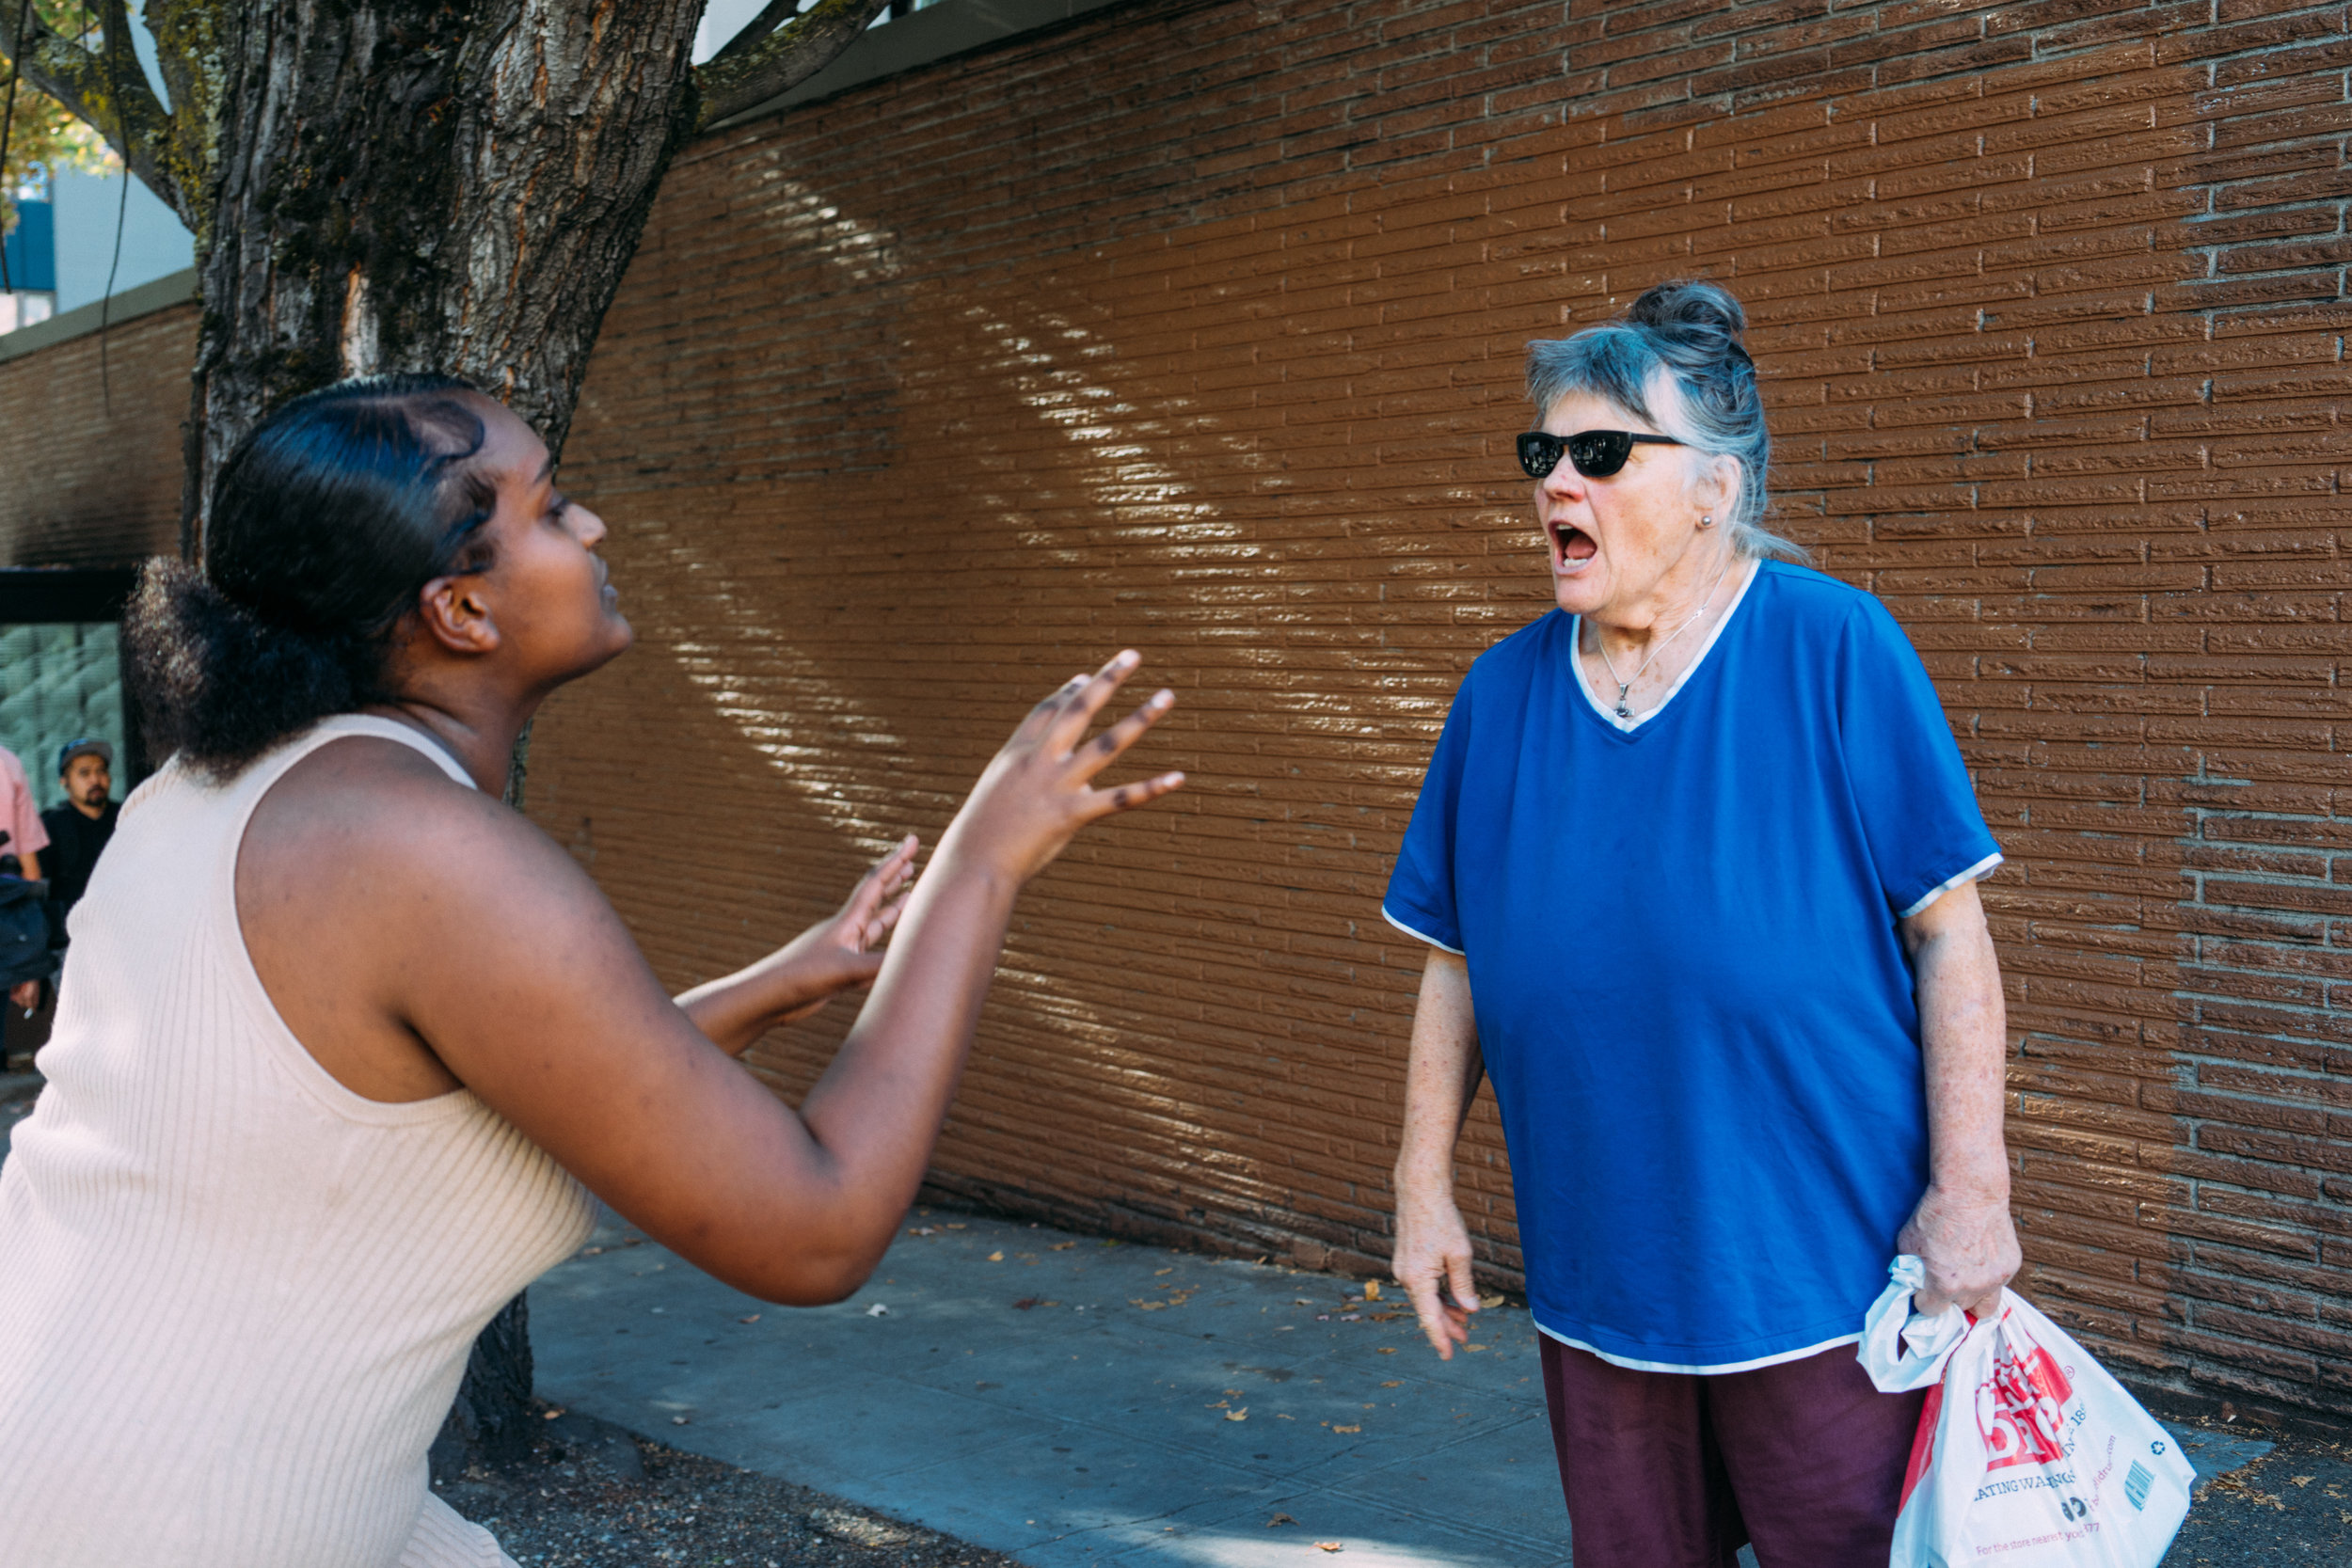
[(1672, 1470)]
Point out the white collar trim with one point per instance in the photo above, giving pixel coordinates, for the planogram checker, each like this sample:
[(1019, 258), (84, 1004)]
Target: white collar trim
[(1583, 683)]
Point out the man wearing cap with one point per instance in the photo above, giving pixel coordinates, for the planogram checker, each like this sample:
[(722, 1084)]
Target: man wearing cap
[(79, 829)]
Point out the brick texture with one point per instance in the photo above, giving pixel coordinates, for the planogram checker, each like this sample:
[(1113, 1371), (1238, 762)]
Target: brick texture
[(92, 464), (1198, 327)]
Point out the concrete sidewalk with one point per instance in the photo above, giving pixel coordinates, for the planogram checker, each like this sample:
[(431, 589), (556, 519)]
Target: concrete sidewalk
[(1074, 1402)]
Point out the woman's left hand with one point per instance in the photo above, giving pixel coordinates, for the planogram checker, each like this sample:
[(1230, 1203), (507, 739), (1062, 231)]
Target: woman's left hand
[(1969, 1245), (842, 952)]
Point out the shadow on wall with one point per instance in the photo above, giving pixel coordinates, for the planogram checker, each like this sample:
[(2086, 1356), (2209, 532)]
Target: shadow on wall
[(826, 641)]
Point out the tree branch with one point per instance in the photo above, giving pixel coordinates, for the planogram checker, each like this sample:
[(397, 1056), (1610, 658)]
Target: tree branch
[(755, 67), (754, 32), (135, 123)]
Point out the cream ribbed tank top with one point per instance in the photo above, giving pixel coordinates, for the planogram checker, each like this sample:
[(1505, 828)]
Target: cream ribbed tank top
[(235, 1297)]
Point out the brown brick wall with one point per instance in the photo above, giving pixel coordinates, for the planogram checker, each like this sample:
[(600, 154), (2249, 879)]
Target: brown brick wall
[(89, 463), (1198, 326)]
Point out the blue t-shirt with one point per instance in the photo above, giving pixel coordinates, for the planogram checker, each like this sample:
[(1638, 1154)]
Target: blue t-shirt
[(1692, 995)]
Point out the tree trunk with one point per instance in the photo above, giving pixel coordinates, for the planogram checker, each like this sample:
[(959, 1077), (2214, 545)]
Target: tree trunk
[(413, 185), (416, 185), (489, 1425)]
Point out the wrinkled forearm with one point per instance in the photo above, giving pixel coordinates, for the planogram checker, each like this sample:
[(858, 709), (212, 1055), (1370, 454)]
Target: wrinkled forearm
[(1440, 1078), (1963, 1043)]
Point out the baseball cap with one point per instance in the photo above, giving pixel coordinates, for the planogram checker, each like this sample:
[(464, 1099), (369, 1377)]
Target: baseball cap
[(87, 746)]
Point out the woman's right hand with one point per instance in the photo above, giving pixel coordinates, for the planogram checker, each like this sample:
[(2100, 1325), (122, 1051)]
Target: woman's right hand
[(1433, 1251), (1037, 791)]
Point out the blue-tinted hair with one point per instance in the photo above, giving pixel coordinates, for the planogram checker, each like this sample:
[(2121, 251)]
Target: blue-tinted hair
[(325, 523), (1685, 335)]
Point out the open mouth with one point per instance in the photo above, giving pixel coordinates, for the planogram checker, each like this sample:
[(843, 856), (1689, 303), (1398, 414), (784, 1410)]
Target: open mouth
[(1572, 548)]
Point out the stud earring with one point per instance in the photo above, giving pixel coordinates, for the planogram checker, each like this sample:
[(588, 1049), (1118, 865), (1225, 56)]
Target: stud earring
[(1707, 520)]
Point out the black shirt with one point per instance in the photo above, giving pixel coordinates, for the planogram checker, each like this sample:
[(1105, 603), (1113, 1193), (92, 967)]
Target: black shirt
[(74, 842)]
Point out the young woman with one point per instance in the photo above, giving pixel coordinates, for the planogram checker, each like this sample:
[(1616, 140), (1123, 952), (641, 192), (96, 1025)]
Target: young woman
[(348, 1045)]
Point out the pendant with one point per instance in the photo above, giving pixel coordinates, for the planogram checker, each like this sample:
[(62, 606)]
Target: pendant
[(1623, 711)]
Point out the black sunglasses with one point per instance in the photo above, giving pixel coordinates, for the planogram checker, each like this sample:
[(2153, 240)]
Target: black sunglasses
[(1597, 454)]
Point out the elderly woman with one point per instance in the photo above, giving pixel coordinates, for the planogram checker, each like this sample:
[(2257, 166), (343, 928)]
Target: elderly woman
[(1695, 860)]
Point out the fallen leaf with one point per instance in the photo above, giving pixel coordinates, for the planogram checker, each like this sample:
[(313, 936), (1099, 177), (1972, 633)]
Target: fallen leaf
[(1371, 1289), (878, 1310), (1024, 1304), (1473, 1347), (677, 1420), (1241, 1415), (590, 1251), (1062, 1246), (1279, 1519), (953, 1226), (550, 1415), (1159, 1272), (1300, 1300), (1330, 1546), (753, 1318), (923, 1230), (2302, 1481), (996, 1256), (1490, 1301), (1394, 1382)]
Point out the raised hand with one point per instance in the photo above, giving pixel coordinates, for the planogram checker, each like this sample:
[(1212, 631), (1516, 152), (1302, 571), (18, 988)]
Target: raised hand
[(842, 952), (1037, 791), (837, 954)]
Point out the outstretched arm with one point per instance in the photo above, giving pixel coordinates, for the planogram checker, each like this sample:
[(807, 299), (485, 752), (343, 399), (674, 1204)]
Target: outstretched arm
[(526, 987)]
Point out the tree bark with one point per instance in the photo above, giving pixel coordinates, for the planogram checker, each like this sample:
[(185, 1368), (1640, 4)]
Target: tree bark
[(414, 185), (489, 1424)]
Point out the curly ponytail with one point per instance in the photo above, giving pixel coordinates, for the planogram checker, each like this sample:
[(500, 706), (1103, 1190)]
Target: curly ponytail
[(325, 523)]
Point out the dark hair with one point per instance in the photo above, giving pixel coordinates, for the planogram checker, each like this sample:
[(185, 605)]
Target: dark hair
[(326, 522), (1689, 332)]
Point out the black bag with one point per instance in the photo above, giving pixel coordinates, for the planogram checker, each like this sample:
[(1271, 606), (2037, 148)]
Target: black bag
[(24, 951)]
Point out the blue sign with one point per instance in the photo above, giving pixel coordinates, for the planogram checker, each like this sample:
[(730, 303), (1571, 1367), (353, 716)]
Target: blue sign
[(32, 247)]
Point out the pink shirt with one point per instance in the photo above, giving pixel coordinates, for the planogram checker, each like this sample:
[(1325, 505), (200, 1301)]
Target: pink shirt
[(17, 813)]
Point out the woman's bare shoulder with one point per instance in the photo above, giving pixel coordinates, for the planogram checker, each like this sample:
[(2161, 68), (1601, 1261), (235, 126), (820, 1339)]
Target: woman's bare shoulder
[(381, 804)]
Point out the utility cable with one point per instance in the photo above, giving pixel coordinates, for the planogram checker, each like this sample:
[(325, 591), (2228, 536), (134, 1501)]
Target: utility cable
[(122, 209)]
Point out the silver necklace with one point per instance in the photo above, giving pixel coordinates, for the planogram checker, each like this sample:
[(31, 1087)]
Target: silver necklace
[(1625, 710)]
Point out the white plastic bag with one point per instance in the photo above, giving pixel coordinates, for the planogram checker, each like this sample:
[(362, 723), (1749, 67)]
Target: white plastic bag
[(2029, 1454)]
